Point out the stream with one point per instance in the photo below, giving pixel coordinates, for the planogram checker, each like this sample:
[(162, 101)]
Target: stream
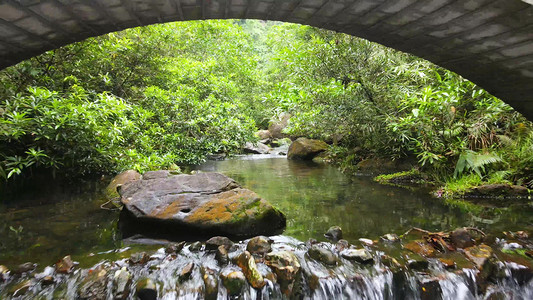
[(44, 224)]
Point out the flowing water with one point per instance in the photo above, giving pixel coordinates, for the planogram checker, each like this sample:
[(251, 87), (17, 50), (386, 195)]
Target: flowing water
[(41, 225)]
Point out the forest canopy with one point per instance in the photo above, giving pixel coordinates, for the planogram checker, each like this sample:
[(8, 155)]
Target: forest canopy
[(168, 95)]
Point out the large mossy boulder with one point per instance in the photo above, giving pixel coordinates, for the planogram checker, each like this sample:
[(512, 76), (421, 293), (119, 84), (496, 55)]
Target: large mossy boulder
[(306, 149), (206, 203)]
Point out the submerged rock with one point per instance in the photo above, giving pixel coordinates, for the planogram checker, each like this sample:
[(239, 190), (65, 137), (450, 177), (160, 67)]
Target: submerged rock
[(119, 180), (203, 202), (478, 254), (306, 149), (421, 247)]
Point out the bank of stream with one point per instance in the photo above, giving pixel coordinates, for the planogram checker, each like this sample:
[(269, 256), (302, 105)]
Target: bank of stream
[(43, 225)]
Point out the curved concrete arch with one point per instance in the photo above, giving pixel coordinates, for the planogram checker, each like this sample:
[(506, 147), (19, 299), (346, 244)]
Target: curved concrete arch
[(487, 41)]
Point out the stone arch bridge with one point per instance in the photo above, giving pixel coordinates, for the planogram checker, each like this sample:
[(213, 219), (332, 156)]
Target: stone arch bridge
[(487, 41)]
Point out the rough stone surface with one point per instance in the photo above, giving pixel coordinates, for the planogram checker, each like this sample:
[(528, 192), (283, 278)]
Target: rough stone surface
[(287, 268), (216, 241), (334, 234), (276, 127), (246, 262), (488, 44), (233, 281), (306, 149), (478, 254), (461, 238), (259, 245), (256, 148), (498, 190), (322, 255), (263, 134), (360, 255), (206, 202), (119, 180), (65, 265)]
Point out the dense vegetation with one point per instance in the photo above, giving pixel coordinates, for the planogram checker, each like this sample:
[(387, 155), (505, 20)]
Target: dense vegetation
[(168, 95)]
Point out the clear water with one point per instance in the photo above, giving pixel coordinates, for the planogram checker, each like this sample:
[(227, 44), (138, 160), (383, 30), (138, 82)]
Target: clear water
[(54, 219)]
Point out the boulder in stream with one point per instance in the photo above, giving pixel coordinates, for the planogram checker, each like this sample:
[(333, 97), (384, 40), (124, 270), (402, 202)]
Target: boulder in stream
[(256, 148), (306, 149), (119, 180), (202, 203)]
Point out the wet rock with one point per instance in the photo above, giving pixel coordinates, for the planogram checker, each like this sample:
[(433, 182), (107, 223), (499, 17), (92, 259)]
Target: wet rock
[(359, 255), (416, 262), (334, 234), (390, 238), (214, 242), (139, 258), (247, 263), (47, 280), (186, 272), (257, 148), (65, 265), (210, 283), (146, 289), (322, 255), (281, 142), (205, 202), (390, 262), (430, 289), (195, 247), (306, 149), (498, 190), (421, 247), (287, 268), (94, 285), (447, 263), (461, 238), (222, 255), (341, 245), (119, 180), (20, 288), (4, 273), (259, 245), (310, 242), (367, 242), (233, 281), (478, 254), (174, 248), (121, 284), (27, 267)]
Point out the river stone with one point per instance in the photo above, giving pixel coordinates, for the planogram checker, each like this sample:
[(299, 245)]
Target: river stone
[(139, 258), (214, 242), (233, 281), (119, 180), (287, 268), (498, 190), (174, 248), (221, 255), (306, 149), (186, 272), (259, 245), (263, 134), (94, 285), (246, 262), (196, 246), (461, 238), (121, 284), (257, 148), (478, 254), (359, 255), (158, 174), (25, 268), (210, 283), (4, 273), (65, 265), (205, 202), (334, 234), (430, 289), (322, 255), (21, 288)]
